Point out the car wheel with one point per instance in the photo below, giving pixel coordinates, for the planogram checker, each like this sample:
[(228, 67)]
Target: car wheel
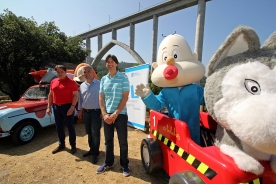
[(24, 132), (187, 177), (151, 155)]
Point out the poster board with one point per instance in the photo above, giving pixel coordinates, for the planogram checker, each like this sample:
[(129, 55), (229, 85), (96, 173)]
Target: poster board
[(136, 109)]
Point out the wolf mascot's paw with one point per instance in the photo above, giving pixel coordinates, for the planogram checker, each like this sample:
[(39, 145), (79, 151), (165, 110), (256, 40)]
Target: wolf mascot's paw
[(242, 160)]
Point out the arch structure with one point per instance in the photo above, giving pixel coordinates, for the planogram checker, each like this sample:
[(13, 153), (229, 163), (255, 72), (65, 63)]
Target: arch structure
[(111, 44)]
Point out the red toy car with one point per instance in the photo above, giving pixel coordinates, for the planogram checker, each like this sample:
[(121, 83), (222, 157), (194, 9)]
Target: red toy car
[(170, 147)]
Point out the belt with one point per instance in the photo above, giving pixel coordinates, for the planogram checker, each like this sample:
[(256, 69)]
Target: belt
[(90, 110), (61, 104)]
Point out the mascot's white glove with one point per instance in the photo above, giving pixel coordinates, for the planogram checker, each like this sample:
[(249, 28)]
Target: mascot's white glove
[(142, 90)]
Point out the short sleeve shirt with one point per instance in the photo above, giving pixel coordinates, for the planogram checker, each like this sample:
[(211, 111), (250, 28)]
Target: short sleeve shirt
[(113, 89), (89, 95), (63, 90)]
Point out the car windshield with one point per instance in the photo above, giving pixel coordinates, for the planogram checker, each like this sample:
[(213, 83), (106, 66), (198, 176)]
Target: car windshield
[(37, 92)]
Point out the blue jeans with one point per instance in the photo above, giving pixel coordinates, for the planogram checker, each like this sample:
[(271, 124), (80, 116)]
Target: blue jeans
[(92, 122), (61, 117), (121, 126)]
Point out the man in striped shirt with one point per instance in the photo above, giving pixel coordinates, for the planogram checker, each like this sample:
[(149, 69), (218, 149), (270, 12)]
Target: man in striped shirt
[(114, 90)]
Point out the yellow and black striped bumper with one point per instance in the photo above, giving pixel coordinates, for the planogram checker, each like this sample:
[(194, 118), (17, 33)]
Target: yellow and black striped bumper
[(190, 159), (256, 181)]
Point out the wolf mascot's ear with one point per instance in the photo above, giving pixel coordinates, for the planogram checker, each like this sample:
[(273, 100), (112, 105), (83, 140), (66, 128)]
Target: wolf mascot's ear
[(240, 40), (270, 42)]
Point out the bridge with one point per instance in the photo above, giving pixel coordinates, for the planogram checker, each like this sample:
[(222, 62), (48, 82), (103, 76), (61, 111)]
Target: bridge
[(150, 13)]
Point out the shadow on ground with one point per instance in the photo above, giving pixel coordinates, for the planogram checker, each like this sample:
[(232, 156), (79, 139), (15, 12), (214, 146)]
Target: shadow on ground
[(136, 167), (44, 137)]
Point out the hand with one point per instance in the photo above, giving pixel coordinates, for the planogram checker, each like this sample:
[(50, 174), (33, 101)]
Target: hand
[(70, 111), (113, 117), (49, 111), (142, 90), (80, 114), (107, 119)]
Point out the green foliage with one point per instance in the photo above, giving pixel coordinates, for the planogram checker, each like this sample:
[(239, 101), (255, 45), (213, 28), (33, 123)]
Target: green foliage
[(102, 70), (153, 88), (203, 81), (2, 94), (25, 46)]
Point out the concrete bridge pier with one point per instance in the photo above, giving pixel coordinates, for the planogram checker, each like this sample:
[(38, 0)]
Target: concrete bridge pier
[(100, 42), (200, 29), (131, 35), (114, 34), (88, 45), (154, 38)]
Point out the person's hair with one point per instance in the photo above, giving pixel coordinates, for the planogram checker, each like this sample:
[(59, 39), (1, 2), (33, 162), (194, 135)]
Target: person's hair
[(114, 58), (88, 66), (60, 66)]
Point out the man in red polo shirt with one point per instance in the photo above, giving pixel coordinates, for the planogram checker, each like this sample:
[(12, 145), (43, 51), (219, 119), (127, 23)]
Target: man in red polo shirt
[(63, 97)]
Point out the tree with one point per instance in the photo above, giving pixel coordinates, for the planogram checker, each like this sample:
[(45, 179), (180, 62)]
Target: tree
[(203, 81), (153, 88), (25, 46)]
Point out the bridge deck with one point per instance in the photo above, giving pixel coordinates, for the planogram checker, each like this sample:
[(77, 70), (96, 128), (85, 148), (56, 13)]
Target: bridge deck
[(143, 15)]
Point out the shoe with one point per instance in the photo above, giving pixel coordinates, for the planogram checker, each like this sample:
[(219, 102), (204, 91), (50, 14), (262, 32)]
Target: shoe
[(94, 159), (103, 168), (73, 149), (58, 149), (167, 177), (126, 171), (86, 154)]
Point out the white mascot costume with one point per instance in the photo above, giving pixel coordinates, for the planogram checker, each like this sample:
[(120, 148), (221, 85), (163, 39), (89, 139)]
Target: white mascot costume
[(240, 94), (176, 70)]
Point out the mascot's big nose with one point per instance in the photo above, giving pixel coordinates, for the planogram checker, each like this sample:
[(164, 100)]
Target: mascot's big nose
[(170, 71)]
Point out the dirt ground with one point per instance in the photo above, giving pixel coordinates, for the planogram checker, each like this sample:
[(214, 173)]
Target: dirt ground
[(35, 163)]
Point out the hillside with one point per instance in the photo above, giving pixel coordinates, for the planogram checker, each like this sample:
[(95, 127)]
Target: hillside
[(101, 69)]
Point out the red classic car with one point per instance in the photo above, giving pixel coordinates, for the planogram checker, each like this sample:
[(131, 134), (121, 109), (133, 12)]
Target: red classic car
[(21, 119)]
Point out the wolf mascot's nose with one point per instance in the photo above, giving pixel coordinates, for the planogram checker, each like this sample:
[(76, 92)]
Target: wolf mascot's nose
[(170, 71)]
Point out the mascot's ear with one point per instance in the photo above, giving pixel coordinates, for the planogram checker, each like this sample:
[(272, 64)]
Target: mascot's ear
[(195, 56), (270, 43), (240, 40), (80, 71), (154, 65), (78, 67)]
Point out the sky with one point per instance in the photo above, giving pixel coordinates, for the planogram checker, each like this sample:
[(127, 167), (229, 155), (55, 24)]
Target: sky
[(222, 16)]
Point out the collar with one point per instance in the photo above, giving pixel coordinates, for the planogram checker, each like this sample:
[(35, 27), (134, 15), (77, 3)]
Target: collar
[(117, 73), (63, 79), (93, 81)]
